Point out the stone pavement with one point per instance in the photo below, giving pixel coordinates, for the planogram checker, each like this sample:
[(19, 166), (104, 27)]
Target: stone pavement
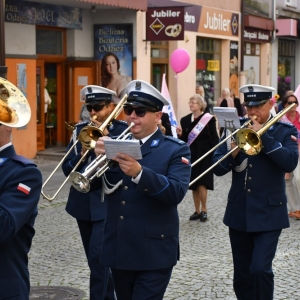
[(205, 268)]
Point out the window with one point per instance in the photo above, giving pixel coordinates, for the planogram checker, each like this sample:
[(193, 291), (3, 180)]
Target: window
[(292, 3)]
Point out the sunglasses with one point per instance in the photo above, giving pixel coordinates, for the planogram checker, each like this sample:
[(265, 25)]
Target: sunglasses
[(139, 111), (291, 102), (95, 107)]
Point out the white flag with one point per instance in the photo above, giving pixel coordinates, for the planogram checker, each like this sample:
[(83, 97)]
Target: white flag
[(169, 108)]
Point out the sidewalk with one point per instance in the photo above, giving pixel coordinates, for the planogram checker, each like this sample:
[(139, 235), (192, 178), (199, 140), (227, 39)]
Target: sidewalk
[(205, 268)]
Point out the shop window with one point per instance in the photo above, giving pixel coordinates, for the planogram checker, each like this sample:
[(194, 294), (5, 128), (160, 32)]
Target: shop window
[(252, 63), (208, 73), (50, 41), (292, 3), (286, 66)]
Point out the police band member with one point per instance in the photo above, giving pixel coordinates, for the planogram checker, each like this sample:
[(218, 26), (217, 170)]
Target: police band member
[(20, 189), (141, 243), (256, 210), (89, 211)]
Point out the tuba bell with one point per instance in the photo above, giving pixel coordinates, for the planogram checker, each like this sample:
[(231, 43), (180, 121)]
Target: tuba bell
[(14, 107)]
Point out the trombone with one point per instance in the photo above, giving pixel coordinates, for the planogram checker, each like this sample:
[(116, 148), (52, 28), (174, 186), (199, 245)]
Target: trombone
[(81, 182), (248, 141), (88, 136)]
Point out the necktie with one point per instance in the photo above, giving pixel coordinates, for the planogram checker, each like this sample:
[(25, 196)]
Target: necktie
[(141, 143)]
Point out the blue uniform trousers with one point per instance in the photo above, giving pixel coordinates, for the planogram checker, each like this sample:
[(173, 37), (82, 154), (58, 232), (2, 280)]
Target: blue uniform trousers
[(253, 253), (141, 285), (92, 239)]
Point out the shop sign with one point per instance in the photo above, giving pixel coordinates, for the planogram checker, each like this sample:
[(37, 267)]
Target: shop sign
[(215, 21), (192, 17), (257, 35), (116, 39), (26, 12), (165, 24), (213, 65)]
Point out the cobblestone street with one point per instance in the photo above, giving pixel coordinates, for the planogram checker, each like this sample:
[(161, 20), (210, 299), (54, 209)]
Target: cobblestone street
[(205, 268)]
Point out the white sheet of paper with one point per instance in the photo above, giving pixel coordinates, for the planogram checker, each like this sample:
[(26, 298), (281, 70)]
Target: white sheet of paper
[(129, 147), (227, 117)]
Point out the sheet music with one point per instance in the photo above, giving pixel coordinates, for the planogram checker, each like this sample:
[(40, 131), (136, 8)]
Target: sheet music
[(227, 117), (129, 147)]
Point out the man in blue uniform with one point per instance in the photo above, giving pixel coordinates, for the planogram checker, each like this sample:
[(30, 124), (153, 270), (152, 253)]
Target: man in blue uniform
[(20, 189), (141, 243), (256, 211), (88, 209)]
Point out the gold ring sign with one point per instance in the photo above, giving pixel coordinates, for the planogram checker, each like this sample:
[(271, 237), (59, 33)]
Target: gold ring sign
[(173, 30)]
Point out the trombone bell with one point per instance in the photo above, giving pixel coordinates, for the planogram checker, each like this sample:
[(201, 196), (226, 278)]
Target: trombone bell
[(14, 107), (79, 182), (248, 141)]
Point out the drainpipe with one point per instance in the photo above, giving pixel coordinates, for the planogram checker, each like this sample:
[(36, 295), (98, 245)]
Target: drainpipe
[(242, 35), (274, 20), (3, 68)]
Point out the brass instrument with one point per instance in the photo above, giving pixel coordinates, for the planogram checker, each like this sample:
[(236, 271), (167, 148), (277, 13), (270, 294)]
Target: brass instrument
[(88, 136), (14, 107), (248, 140), (96, 168)]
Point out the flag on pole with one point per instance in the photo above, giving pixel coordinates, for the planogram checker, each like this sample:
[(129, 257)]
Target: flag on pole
[(297, 94), (169, 108)]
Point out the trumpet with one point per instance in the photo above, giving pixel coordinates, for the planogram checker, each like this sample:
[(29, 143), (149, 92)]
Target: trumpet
[(88, 136), (96, 168), (248, 140)]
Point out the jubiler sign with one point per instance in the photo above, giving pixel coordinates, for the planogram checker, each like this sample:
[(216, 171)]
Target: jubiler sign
[(165, 23)]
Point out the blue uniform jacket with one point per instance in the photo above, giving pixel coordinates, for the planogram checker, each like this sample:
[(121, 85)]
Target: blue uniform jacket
[(87, 207), (142, 224), (257, 200), (20, 189)]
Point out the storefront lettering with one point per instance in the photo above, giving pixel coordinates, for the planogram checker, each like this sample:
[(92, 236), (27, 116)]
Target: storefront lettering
[(233, 45), (16, 18), (165, 13), (113, 40), (189, 18), (262, 36), (111, 32), (110, 48), (250, 35), (217, 22), (11, 8), (42, 15)]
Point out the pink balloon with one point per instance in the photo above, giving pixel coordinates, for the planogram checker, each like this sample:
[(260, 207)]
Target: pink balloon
[(179, 60)]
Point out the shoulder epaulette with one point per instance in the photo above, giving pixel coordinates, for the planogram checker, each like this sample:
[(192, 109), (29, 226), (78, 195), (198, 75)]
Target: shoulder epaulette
[(81, 124), (23, 160), (121, 122), (289, 124), (173, 139)]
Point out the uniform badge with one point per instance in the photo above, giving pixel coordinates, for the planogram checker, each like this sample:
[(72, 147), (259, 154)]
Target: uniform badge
[(138, 86), (24, 188), (154, 143)]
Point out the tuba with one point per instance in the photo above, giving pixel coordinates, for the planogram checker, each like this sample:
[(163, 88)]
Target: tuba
[(14, 107)]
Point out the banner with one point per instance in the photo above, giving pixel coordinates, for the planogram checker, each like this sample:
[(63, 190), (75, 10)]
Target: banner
[(169, 108)]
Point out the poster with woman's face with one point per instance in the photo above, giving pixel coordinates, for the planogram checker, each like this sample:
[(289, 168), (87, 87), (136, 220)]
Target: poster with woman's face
[(113, 46)]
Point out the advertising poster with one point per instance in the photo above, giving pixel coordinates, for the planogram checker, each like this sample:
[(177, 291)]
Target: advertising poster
[(22, 78), (113, 45), (234, 67)]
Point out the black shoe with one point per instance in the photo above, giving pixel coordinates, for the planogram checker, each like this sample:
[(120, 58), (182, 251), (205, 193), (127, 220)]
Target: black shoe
[(194, 216), (203, 216)]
